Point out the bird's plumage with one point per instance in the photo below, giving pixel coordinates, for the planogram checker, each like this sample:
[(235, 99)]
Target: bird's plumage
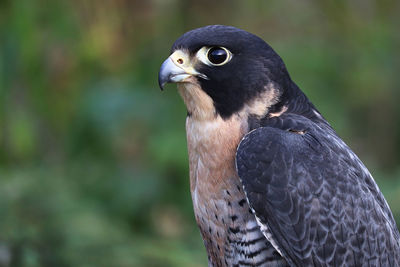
[(314, 196), (272, 183)]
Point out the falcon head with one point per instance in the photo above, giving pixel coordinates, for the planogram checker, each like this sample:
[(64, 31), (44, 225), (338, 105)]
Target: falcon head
[(223, 70)]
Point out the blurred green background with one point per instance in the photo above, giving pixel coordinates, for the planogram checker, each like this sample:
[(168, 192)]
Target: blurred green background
[(93, 160)]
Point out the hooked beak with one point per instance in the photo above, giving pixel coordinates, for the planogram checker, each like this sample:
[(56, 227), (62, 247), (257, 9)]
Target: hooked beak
[(170, 73), (177, 68)]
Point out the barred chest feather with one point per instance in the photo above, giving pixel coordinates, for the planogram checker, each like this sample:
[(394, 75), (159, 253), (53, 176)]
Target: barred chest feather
[(228, 227)]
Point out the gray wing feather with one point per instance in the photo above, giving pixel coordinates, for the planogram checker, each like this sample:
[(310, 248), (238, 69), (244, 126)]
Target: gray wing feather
[(319, 203)]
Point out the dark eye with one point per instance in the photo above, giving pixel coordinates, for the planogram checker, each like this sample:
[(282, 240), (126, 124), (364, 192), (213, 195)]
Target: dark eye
[(218, 55)]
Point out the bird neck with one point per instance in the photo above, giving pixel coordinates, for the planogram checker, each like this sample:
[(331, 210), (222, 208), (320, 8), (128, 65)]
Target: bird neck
[(293, 100)]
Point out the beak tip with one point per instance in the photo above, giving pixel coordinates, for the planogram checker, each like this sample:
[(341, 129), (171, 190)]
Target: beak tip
[(161, 85), (162, 81), (164, 75)]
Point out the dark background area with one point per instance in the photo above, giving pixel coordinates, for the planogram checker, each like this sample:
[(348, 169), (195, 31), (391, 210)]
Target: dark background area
[(93, 159)]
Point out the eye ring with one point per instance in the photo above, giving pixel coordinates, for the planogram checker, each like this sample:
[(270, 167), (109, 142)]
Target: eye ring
[(218, 55)]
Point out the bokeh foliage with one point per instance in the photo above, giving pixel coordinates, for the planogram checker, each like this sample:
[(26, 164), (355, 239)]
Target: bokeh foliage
[(93, 160)]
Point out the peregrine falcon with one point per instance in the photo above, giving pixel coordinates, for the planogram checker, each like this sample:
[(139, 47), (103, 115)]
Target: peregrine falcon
[(272, 183)]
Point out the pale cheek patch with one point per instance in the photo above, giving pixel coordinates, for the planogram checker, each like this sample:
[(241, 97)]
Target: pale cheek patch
[(260, 105)]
